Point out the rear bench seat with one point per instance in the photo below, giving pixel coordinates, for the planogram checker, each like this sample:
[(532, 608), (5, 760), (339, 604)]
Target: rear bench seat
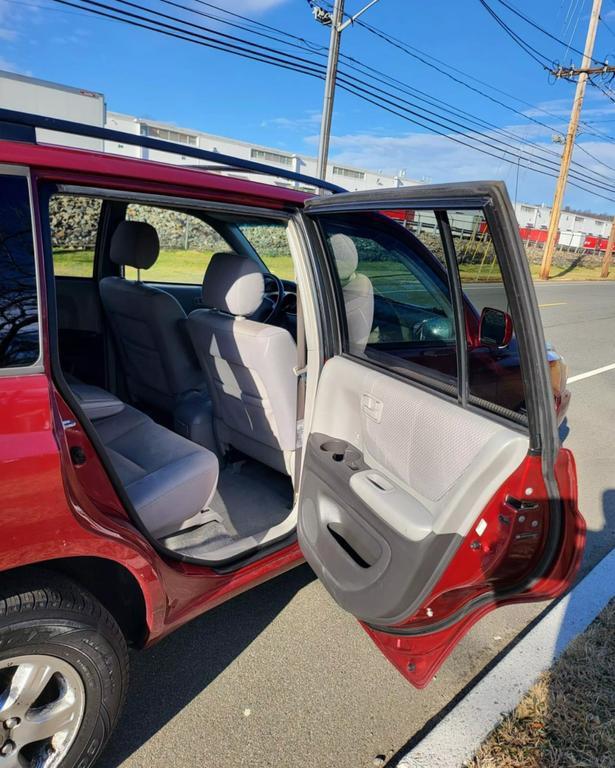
[(168, 479)]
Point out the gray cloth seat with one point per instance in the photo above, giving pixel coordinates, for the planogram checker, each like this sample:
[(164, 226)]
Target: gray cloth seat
[(249, 365), (148, 324), (168, 479)]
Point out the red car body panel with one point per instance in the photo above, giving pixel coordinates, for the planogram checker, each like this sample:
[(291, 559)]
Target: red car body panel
[(479, 568)]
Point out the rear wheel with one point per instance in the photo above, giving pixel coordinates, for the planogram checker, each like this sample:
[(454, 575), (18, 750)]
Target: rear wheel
[(63, 673)]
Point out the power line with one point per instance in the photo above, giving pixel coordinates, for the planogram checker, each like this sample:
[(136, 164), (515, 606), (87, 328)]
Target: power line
[(593, 157), (525, 46), (445, 69), (546, 32), (607, 26), (354, 85), (454, 125)]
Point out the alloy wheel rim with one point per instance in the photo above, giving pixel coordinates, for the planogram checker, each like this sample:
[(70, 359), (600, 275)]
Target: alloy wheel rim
[(42, 700)]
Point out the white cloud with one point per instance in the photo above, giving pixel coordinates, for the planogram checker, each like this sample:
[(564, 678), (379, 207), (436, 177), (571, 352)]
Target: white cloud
[(307, 121)]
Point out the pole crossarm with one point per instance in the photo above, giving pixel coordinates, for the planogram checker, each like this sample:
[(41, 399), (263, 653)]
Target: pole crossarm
[(574, 71)]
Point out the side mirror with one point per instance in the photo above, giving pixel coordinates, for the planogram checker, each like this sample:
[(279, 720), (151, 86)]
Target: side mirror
[(496, 328)]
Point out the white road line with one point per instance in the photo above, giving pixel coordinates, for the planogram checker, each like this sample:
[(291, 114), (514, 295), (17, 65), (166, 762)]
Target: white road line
[(588, 374)]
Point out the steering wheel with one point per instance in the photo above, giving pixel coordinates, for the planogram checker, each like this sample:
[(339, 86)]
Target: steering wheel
[(272, 300)]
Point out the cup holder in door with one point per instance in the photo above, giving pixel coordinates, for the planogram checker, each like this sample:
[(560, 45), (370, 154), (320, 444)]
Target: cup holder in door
[(341, 451), (337, 449)]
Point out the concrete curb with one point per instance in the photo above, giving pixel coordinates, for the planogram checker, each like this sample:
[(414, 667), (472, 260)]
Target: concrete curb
[(457, 736)]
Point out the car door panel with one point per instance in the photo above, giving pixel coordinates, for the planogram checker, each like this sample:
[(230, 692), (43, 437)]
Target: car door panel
[(426, 500), (394, 494)]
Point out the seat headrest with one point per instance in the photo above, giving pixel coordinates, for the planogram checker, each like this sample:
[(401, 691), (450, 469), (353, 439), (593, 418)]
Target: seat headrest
[(233, 284), (135, 244), (345, 255)]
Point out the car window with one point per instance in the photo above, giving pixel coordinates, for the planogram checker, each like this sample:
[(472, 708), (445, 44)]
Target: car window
[(19, 330), (186, 245), (396, 295), (270, 241), (73, 223), (494, 373), (395, 287)]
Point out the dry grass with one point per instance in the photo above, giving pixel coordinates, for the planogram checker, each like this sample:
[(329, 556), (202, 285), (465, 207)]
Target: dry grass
[(567, 720)]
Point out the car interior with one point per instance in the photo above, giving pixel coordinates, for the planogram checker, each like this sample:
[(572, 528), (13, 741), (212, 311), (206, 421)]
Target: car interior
[(192, 389)]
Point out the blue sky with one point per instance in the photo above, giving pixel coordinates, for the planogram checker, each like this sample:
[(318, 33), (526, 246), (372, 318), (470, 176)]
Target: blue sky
[(144, 73)]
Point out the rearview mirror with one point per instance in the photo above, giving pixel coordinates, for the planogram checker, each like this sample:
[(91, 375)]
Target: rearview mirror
[(496, 328)]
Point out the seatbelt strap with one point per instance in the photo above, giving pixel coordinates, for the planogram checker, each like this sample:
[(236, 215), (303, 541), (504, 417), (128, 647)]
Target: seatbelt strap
[(301, 374)]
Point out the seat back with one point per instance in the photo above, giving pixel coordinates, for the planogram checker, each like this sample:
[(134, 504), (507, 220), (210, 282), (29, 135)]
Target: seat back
[(357, 290), (249, 365), (148, 324)]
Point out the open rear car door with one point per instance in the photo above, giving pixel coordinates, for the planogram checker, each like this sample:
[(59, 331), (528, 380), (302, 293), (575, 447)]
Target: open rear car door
[(434, 486)]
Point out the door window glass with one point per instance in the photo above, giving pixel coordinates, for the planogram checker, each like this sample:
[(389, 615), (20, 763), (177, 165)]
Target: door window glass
[(393, 277), (186, 245), (19, 330), (73, 222), (395, 292), (270, 241), (494, 369)]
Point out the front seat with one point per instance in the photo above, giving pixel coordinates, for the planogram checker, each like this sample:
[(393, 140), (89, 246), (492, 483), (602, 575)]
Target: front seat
[(357, 290), (148, 325), (249, 365)]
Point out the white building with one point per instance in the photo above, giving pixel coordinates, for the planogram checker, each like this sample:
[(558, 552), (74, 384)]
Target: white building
[(27, 94), (577, 222), (345, 176)]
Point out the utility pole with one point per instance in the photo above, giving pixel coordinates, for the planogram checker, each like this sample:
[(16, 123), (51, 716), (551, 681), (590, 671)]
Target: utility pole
[(606, 261), (327, 105), (573, 125), (338, 25)]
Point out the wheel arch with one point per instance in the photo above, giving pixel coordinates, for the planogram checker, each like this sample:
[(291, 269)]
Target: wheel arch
[(111, 583)]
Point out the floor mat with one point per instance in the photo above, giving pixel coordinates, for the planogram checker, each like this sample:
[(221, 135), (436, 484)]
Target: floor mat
[(251, 497), (249, 500)]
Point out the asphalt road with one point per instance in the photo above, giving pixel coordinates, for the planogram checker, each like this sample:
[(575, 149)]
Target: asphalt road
[(281, 677)]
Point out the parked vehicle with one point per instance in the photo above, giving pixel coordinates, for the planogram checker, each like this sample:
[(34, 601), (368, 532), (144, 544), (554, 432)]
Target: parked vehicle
[(177, 425)]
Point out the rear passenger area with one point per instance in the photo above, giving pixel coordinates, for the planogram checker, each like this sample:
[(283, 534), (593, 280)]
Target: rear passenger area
[(200, 424), (179, 492)]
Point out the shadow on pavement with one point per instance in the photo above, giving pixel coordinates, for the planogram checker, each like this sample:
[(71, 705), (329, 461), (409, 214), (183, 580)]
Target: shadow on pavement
[(165, 678)]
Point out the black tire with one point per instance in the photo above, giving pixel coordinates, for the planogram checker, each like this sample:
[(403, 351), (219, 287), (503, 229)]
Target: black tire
[(44, 613)]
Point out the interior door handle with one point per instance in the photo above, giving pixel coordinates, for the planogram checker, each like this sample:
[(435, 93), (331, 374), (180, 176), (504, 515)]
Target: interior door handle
[(372, 407)]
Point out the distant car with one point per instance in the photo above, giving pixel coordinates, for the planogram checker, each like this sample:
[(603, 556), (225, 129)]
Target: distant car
[(206, 380)]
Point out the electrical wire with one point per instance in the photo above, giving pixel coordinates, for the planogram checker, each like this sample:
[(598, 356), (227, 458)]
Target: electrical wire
[(363, 89), (535, 54), (546, 32), (445, 69)]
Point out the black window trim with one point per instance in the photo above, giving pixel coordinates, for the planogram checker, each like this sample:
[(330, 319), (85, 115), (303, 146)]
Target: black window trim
[(37, 366)]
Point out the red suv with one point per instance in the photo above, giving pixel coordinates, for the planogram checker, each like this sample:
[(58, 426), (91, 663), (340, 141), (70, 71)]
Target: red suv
[(206, 380)]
